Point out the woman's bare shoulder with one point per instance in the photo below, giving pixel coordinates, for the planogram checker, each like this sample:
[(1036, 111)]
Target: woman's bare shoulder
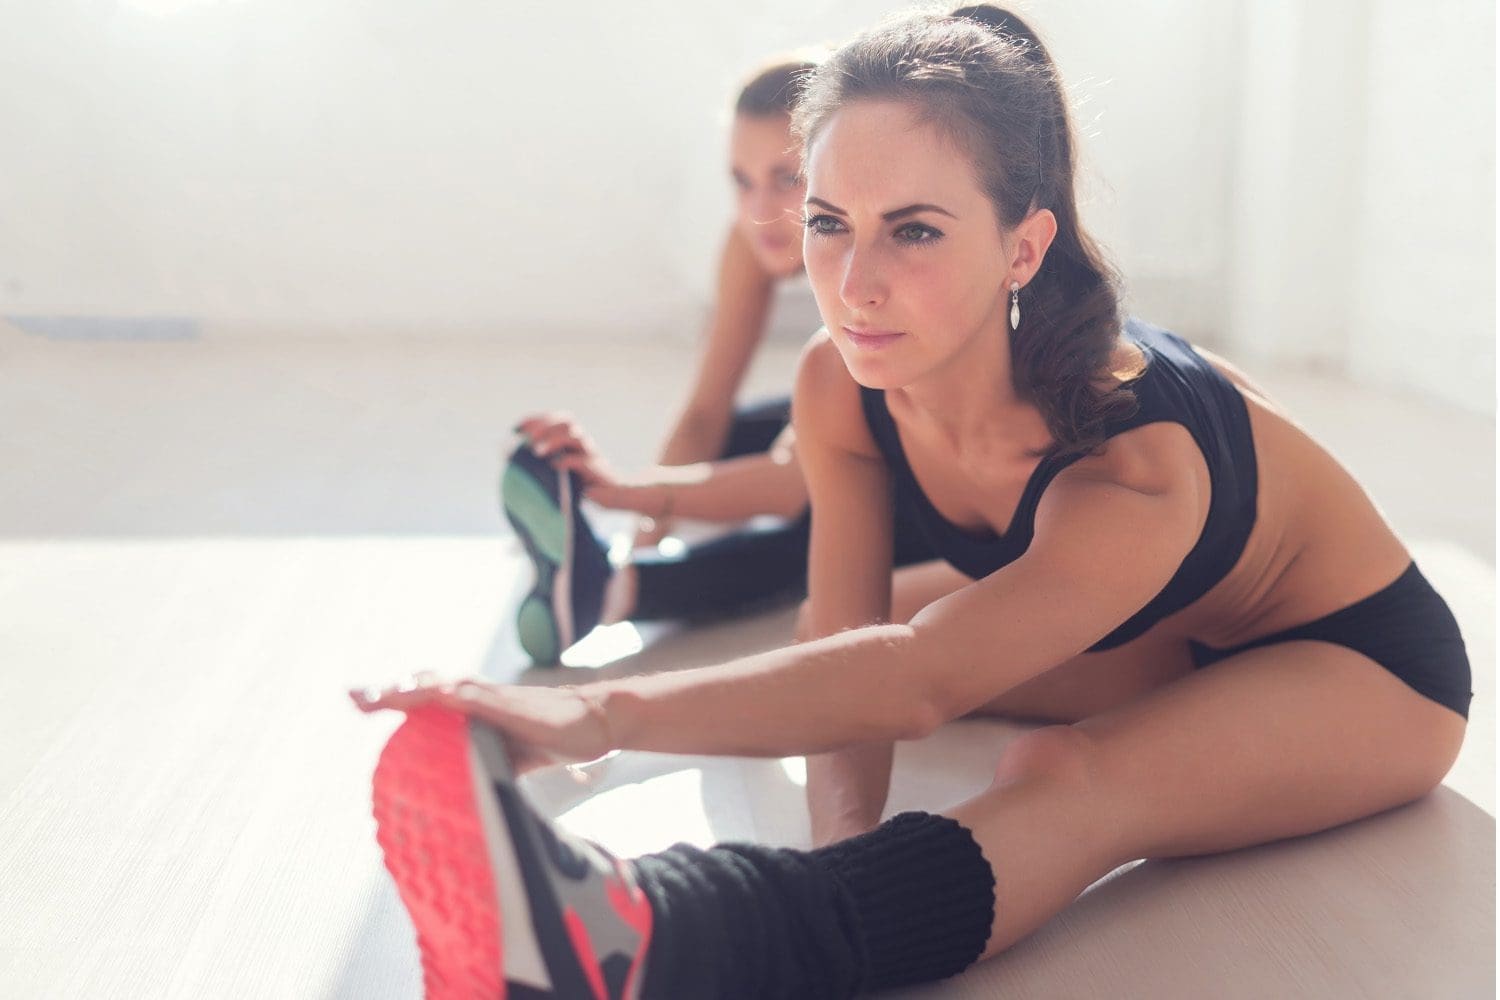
[(1153, 459), (826, 404), (1234, 373)]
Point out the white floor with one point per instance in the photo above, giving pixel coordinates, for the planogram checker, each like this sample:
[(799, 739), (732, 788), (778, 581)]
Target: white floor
[(203, 543)]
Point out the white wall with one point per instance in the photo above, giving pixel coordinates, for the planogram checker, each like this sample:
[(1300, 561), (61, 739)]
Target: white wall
[(471, 167), (466, 165), (1424, 243), (1362, 216), (1292, 206)]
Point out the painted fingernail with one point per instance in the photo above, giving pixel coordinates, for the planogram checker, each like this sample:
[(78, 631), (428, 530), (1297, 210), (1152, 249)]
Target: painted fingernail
[(367, 695), (408, 684)]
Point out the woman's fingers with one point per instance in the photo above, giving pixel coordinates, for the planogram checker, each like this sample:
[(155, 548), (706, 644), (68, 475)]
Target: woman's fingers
[(411, 692), (487, 703), (557, 724), (559, 438), (552, 432), (470, 697), (537, 422), (589, 468), (541, 726)]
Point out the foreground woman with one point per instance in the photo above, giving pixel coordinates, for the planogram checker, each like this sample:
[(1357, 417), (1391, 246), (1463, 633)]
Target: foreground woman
[(1231, 643)]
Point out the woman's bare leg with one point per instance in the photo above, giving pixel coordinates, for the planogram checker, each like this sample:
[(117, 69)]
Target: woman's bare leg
[(619, 595), (1275, 742)]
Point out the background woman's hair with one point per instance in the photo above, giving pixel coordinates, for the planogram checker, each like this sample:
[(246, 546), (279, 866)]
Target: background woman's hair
[(982, 75), (775, 88)]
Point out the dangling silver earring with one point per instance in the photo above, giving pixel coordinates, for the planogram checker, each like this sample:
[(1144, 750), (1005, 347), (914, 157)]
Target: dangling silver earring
[(1015, 305)]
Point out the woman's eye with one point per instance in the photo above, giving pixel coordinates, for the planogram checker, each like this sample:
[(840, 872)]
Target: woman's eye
[(824, 225), (916, 232)]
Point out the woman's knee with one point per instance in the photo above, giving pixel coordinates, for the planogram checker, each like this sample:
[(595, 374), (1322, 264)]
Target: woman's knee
[(1051, 753)]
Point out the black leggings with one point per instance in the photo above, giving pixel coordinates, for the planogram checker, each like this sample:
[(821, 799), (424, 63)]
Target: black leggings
[(753, 567)]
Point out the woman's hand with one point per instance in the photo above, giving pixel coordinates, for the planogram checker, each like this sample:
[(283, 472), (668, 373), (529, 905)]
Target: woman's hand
[(542, 725), (558, 438)]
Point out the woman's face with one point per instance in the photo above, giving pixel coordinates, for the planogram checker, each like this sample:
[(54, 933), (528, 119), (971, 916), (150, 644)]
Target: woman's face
[(764, 162), (902, 246)]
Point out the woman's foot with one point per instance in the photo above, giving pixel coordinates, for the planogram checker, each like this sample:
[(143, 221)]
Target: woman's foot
[(505, 904), (572, 567)]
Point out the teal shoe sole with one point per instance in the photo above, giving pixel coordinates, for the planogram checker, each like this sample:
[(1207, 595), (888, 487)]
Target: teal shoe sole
[(543, 529), (537, 631)]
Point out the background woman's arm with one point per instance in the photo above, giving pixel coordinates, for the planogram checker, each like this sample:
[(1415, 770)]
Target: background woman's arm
[(732, 489), (728, 490), (742, 302)]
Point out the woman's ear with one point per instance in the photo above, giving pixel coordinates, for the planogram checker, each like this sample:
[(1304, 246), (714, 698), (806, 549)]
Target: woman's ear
[(1031, 239)]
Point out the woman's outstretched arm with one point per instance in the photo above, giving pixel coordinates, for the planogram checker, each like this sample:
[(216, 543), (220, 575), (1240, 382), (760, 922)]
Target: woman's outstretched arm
[(1110, 532)]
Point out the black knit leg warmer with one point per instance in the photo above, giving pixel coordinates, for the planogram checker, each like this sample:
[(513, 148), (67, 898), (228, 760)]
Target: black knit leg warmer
[(908, 902)]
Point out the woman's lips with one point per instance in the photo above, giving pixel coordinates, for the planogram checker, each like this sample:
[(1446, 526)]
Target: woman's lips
[(872, 340)]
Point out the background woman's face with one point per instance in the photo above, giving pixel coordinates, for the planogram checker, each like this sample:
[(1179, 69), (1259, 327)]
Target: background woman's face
[(765, 165), (903, 250)]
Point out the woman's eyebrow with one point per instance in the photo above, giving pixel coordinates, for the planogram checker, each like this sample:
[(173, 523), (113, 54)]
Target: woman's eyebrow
[(891, 216)]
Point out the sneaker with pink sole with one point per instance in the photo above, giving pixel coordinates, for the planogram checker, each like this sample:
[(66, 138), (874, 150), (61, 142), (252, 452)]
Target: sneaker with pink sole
[(505, 904)]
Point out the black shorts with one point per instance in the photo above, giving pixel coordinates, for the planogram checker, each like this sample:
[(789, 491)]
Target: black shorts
[(1406, 628)]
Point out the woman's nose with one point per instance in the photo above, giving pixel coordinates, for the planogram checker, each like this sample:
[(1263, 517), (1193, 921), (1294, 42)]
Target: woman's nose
[(764, 208), (863, 285)]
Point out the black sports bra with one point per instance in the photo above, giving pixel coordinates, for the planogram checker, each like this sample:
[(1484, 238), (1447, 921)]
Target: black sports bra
[(1178, 386)]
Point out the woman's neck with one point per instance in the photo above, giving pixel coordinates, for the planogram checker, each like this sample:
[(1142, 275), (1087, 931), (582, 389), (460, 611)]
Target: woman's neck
[(970, 401)]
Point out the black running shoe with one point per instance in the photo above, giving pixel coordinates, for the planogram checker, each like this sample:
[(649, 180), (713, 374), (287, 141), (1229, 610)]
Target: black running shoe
[(572, 567)]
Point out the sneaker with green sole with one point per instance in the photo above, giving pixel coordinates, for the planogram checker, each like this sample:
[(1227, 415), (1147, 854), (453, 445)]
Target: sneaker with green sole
[(572, 566)]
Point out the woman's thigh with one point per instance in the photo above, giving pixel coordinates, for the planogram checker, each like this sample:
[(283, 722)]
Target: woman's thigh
[(1274, 742)]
